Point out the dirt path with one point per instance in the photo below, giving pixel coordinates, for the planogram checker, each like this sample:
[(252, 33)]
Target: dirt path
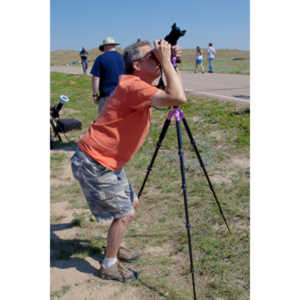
[(75, 278), (225, 87)]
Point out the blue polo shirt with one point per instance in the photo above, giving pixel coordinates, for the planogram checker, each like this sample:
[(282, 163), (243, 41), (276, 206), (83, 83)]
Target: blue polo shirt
[(84, 53), (108, 66)]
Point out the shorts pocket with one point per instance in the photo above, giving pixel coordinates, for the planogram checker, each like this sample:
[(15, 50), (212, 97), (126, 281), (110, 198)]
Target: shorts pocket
[(76, 165)]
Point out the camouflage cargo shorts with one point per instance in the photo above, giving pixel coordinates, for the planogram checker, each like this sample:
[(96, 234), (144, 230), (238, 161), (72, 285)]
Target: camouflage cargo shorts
[(109, 193)]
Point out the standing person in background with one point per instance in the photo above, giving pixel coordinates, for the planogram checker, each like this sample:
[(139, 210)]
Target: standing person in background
[(106, 69), (199, 60), (211, 52), (84, 59)]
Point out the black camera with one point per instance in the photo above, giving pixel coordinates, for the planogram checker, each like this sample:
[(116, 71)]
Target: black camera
[(172, 38), (174, 35)]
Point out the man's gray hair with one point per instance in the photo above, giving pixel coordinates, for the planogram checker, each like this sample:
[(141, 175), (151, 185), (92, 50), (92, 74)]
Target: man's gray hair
[(131, 54)]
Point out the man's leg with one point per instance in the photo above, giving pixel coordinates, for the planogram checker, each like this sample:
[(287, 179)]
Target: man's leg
[(115, 235), (210, 65), (114, 241), (110, 268)]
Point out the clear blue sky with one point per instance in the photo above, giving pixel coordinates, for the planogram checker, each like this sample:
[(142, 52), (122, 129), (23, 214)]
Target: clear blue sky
[(76, 23)]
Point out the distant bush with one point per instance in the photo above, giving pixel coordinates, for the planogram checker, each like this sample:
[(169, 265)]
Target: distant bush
[(239, 58)]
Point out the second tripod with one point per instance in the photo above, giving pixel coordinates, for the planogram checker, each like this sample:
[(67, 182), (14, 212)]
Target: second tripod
[(179, 115)]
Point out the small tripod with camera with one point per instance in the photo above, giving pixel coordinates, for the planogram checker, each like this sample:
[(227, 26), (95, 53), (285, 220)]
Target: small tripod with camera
[(61, 125), (172, 38)]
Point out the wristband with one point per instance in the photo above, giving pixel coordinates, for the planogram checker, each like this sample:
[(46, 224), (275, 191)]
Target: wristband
[(94, 95)]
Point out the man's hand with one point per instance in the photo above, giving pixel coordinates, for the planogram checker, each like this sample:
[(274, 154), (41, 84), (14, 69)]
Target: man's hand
[(174, 92), (135, 204), (162, 51), (176, 50)]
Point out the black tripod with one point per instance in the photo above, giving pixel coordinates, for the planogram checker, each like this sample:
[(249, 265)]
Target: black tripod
[(179, 115), (55, 128)]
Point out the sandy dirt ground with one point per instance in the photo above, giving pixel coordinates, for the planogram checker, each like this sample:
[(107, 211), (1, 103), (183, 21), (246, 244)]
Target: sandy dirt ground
[(77, 278)]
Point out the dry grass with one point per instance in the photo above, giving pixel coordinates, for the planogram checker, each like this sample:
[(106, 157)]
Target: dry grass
[(227, 60)]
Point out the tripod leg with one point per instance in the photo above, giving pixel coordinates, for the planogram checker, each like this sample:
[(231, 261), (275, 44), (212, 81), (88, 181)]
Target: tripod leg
[(185, 201), (204, 170), (55, 130), (161, 137)]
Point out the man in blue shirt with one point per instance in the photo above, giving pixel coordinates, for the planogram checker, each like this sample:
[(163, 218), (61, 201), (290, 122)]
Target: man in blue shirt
[(84, 59), (107, 68)]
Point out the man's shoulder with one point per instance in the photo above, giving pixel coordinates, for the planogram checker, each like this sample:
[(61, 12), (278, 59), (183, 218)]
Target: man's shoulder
[(126, 80), (109, 55), (98, 58), (113, 54), (133, 84), (131, 80)]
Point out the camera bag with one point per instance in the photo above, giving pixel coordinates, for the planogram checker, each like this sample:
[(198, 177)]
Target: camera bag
[(65, 125)]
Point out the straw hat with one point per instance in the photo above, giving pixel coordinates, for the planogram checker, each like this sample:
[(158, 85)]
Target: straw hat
[(108, 41)]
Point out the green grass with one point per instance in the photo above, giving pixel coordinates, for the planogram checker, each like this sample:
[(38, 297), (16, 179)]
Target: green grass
[(61, 292), (227, 61), (222, 66), (221, 260), (78, 89)]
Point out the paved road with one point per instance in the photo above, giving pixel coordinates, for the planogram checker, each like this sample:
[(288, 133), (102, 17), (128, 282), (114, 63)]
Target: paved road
[(225, 87)]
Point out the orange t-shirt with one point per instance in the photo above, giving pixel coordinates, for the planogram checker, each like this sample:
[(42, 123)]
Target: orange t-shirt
[(121, 128)]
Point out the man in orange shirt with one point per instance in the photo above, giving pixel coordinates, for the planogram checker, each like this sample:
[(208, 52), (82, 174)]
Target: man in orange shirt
[(113, 139)]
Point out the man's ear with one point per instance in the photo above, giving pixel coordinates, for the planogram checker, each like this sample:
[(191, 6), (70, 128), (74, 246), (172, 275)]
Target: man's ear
[(136, 66)]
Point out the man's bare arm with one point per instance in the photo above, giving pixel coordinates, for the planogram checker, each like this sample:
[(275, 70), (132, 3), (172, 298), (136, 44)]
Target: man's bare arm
[(95, 87), (174, 93)]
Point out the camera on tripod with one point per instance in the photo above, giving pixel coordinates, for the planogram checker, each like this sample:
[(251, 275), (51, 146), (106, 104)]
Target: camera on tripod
[(174, 35), (61, 125), (54, 110), (172, 38)]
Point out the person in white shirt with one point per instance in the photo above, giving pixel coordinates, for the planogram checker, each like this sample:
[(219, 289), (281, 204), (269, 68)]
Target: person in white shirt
[(211, 52)]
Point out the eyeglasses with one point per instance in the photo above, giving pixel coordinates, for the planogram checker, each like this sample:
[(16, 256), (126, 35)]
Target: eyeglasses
[(150, 55)]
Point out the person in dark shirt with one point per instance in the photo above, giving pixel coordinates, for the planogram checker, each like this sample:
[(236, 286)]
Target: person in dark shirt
[(84, 59), (106, 69)]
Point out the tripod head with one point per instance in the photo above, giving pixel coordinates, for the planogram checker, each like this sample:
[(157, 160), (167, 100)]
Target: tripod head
[(54, 110)]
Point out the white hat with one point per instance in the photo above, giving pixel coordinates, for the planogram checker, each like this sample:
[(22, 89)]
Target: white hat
[(108, 41)]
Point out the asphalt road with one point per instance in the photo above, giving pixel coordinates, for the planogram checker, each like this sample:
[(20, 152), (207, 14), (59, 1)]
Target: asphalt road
[(225, 87)]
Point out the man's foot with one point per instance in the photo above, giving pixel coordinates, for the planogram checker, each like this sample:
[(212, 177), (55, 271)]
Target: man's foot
[(127, 255), (118, 272)]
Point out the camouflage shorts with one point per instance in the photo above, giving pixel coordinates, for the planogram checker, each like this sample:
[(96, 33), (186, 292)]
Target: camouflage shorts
[(109, 193)]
